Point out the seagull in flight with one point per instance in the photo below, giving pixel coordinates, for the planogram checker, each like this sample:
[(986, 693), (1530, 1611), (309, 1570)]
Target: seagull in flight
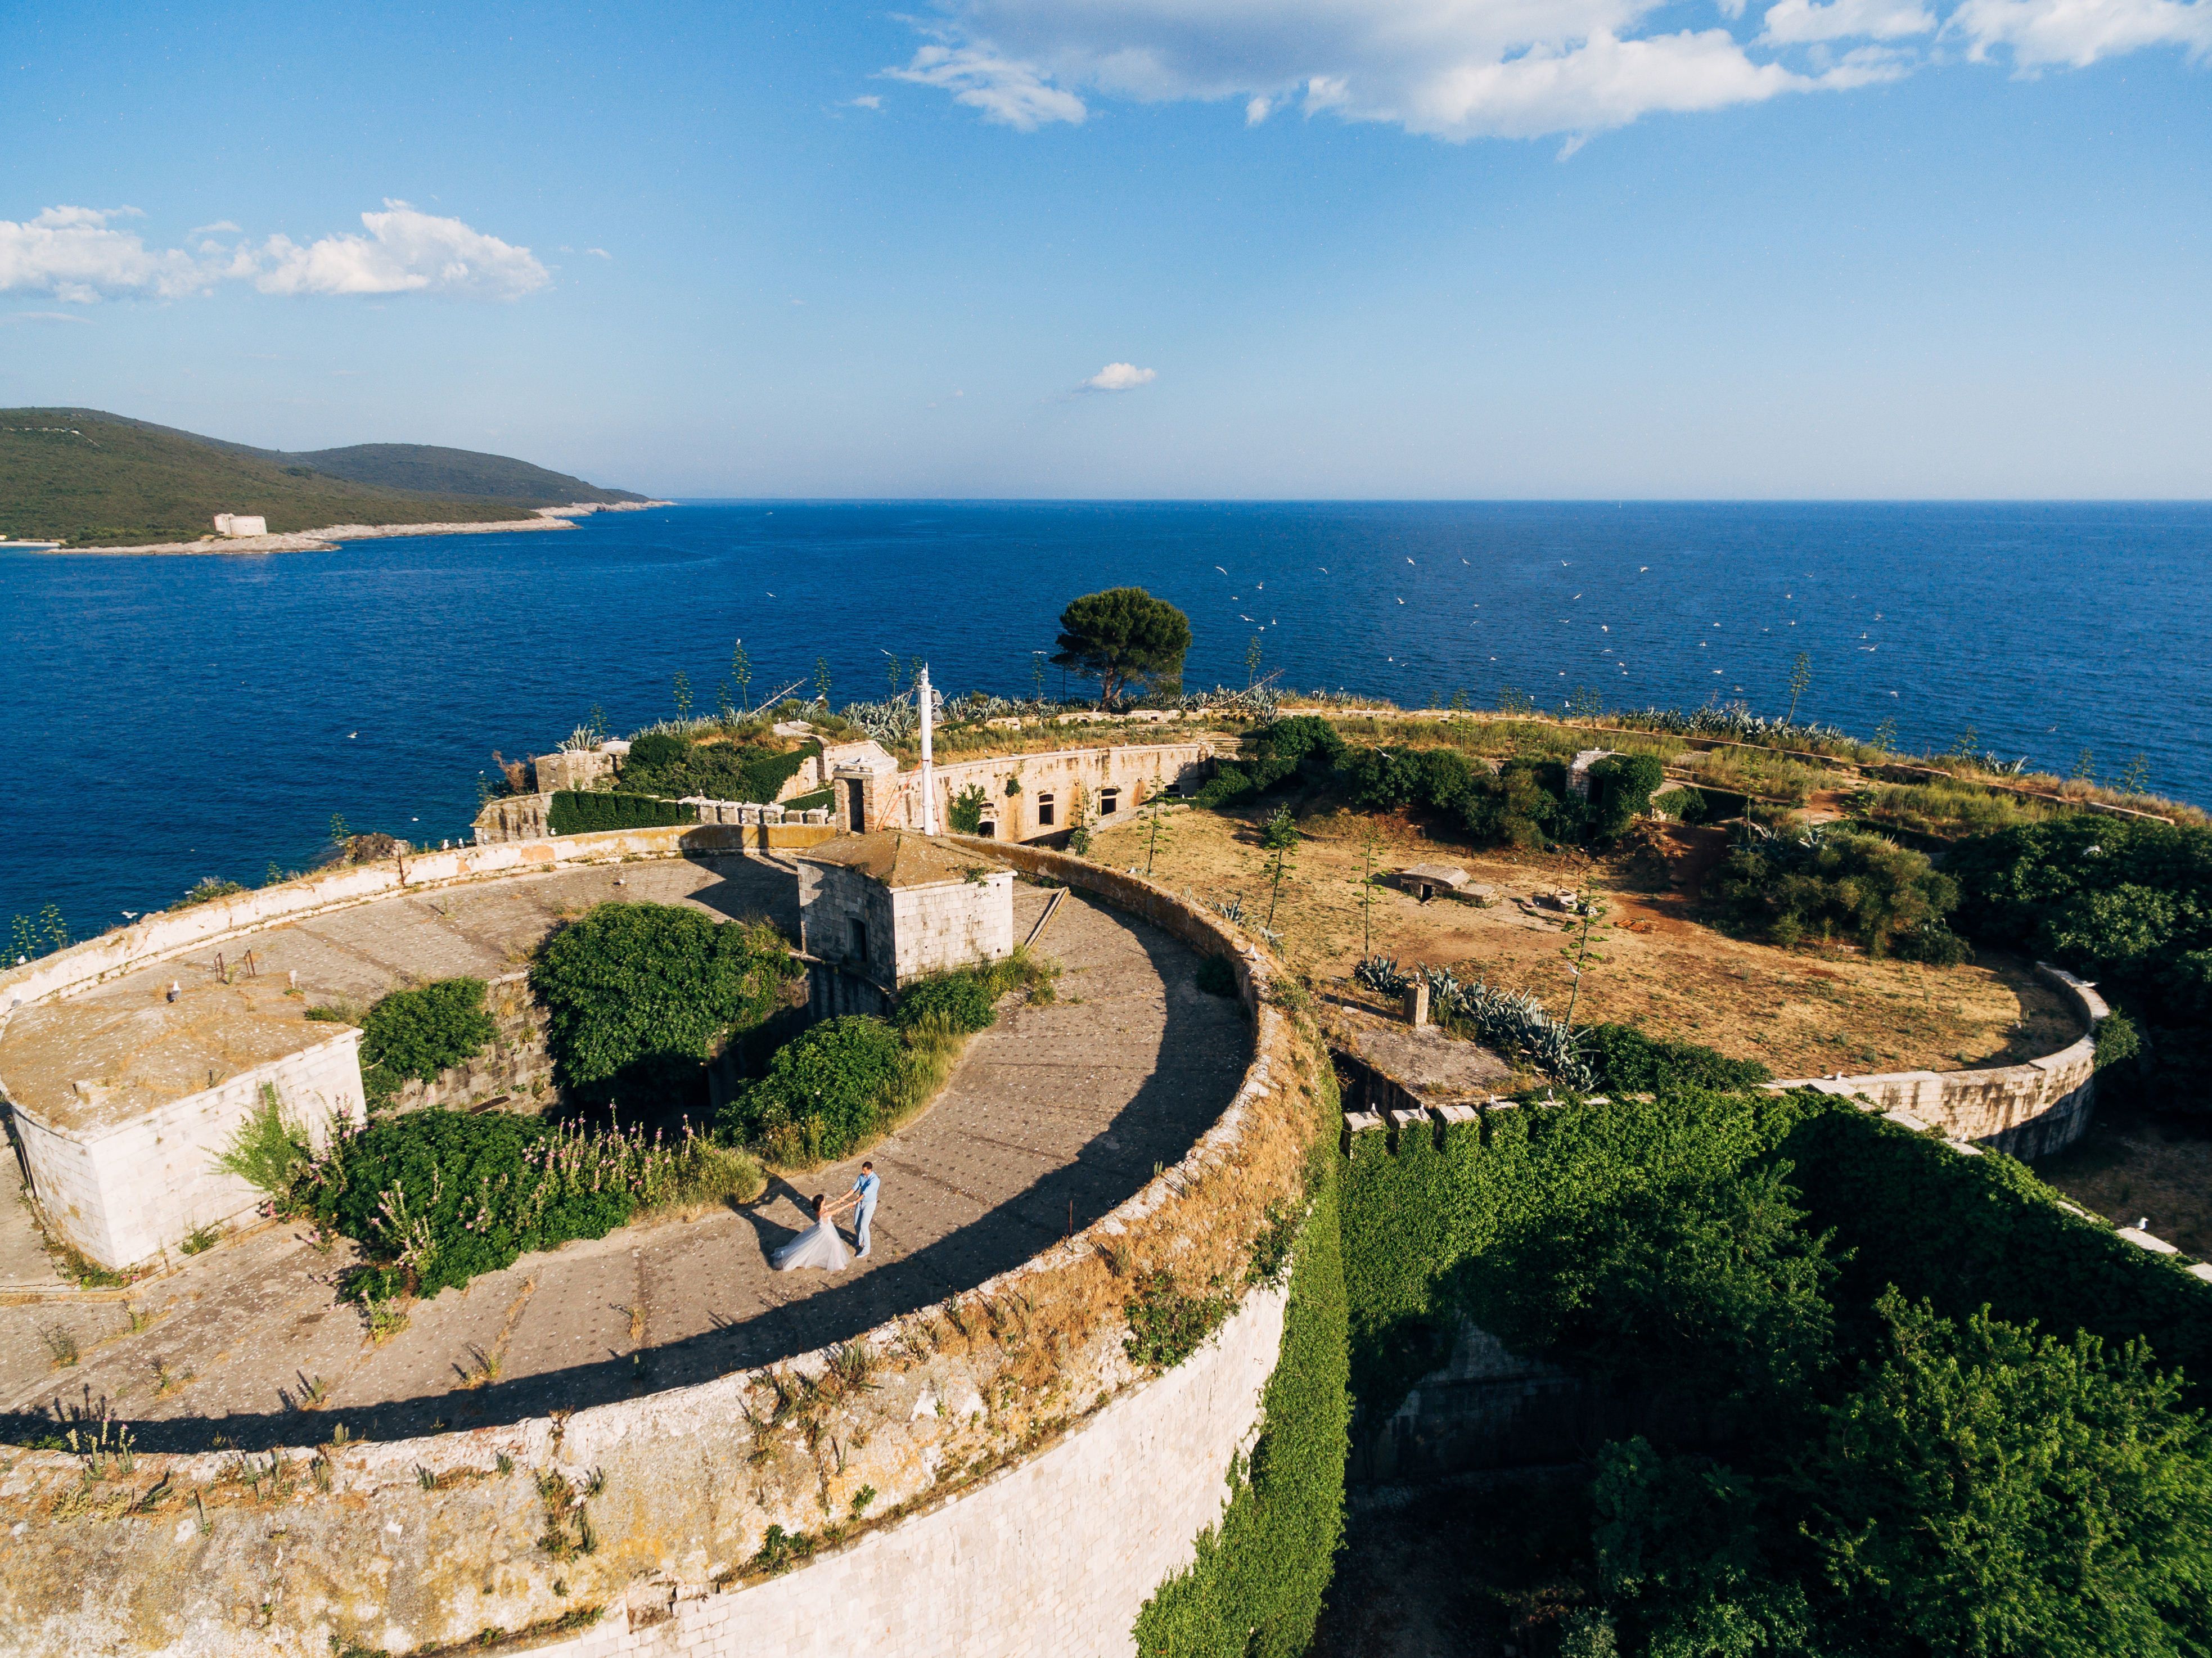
[(1323, 569), (1641, 568), (1219, 568), (351, 735)]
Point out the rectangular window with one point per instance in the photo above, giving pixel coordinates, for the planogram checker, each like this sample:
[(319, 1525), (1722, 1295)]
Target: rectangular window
[(860, 939), (1044, 811), (1109, 799)]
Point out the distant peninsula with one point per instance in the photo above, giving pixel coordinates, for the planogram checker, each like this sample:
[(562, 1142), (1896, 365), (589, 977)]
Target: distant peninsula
[(86, 480)]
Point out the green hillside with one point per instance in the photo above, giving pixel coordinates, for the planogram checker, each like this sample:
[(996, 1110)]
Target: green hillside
[(86, 478), (427, 469)]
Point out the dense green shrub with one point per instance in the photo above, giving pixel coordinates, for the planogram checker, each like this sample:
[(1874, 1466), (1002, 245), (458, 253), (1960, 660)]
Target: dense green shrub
[(826, 1092), (437, 1197), (1168, 1323), (1302, 748), (670, 767), (961, 1001), (1620, 786), (1887, 897), (1965, 1233), (1256, 1590), (575, 812), (410, 1035), (2124, 902), (638, 998), (1986, 1490), (1525, 805), (1624, 1060)]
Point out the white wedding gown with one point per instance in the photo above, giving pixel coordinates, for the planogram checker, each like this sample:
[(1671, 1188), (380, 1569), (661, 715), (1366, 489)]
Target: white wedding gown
[(818, 1246)]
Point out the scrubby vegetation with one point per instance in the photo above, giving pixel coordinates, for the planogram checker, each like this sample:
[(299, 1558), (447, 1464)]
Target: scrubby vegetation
[(1888, 898), (436, 1198), (846, 1082), (2124, 902), (639, 997), (1522, 800)]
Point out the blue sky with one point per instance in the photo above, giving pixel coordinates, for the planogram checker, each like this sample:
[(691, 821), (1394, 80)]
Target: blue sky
[(1140, 248)]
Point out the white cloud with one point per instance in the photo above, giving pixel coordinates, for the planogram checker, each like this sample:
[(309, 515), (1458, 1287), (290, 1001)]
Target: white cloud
[(1796, 22), (1459, 69), (1004, 89), (1121, 377), (599, 253), (79, 256), (210, 230), (75, 254), (1455, 68), (866, 100), (2042, 33), (42, 316), (405, 252)]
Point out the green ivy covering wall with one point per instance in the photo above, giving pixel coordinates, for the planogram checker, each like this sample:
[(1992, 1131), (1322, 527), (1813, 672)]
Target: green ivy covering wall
[(1256, 1587), (1965, 1231), (1256, 1590)]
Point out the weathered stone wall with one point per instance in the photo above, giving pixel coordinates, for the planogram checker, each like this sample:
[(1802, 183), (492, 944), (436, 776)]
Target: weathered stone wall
[(1136, 769), (936, 929), (514, 817), (2027, 1111), (126, 1195), (1028, 1485)]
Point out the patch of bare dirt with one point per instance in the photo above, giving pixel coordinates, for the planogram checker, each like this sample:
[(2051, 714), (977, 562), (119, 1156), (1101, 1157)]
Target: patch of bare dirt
[(1809, 1011), (2132, 1167)]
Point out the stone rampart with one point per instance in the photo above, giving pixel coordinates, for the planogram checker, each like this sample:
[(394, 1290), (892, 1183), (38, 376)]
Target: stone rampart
[(2027, 1110), (992, 1475)]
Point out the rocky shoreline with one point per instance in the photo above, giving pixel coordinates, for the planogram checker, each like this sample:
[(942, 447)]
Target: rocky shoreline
[(327, 539)]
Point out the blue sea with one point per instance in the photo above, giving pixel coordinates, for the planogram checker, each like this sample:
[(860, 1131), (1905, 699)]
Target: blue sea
[(173, 718)]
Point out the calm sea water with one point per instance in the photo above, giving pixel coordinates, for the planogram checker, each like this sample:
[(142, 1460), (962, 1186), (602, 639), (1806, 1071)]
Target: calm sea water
[(174, 718)]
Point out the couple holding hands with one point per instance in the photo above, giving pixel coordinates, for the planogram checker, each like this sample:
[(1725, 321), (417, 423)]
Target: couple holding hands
[(820, 1244)]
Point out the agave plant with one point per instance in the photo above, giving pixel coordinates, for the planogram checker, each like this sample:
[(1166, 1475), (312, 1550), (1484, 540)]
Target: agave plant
[(1508, 1019), (1733, 721)]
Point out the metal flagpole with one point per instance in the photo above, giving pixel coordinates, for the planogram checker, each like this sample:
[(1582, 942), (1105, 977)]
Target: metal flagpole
[(923, 702)]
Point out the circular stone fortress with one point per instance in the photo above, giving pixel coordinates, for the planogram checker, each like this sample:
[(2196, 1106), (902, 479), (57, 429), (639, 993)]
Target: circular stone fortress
[(653, 1441), (1105, 1320)]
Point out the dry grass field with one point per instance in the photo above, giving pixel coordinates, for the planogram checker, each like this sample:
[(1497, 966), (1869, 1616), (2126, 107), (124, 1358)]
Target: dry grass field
[(1809, 1011)]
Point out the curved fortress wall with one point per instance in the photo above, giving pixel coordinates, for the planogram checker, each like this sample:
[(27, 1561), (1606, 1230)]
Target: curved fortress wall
[(989, 1475), (2027, 1110)]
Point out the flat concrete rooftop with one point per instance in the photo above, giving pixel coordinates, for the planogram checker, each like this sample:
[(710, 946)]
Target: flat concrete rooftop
[(107, 1057)]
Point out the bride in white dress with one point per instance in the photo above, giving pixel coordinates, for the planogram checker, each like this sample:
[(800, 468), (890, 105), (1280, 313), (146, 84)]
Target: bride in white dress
[(818, 1246)]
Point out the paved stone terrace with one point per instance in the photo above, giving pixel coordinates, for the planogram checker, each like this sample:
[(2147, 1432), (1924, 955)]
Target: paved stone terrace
[(1071, 1104)]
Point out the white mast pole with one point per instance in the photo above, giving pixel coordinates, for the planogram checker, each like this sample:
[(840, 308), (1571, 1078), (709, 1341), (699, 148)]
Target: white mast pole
[(922, 700)]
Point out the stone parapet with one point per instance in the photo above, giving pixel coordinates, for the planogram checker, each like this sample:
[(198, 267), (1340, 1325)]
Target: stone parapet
[(2027, 1110)]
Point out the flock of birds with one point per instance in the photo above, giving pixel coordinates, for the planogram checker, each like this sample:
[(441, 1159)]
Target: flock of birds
[(1565, 564)]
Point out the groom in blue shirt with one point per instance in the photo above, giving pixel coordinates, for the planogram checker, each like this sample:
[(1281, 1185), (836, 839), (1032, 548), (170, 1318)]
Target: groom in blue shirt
[(864, 1194)]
